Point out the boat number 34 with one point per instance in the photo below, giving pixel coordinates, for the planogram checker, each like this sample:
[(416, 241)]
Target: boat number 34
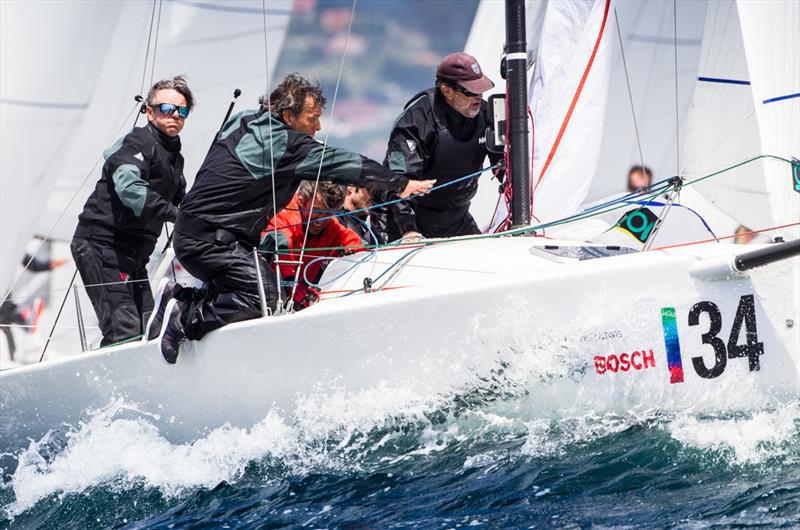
[(745, 319)]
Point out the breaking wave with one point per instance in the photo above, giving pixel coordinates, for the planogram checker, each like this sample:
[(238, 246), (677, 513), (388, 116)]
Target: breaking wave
[(391, 432)]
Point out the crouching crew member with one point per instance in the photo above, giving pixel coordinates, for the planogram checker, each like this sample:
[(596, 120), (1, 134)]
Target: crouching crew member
[(441, 135), (141, 185), (355, 214), (233, 197), (287, 232)]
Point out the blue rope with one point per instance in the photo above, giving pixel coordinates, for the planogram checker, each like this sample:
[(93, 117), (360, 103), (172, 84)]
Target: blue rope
[(398, 200), (389, 268), (657, 203), (351, 267)]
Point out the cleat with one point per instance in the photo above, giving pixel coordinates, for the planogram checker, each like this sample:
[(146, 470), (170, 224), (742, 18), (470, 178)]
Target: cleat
[(172, 334), (164, 292)]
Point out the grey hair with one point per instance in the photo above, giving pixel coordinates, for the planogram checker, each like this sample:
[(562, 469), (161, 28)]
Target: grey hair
[(177, 83), (332, 194), (291, 95)]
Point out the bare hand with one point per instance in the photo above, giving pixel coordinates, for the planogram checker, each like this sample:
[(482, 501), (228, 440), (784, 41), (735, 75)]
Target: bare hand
[(416, 187), (411, 237), (56, 263)]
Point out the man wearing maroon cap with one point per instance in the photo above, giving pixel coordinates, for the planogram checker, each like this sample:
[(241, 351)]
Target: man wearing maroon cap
[(439, 135)]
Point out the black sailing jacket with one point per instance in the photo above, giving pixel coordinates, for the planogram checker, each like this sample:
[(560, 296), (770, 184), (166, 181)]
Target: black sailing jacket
[(141, 185), (430, 140), (233, 190)]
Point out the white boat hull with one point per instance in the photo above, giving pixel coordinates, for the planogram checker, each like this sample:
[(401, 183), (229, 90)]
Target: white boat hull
[(568, 333)]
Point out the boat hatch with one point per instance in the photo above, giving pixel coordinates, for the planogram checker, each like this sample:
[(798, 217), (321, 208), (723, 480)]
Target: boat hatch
[(584, 253)]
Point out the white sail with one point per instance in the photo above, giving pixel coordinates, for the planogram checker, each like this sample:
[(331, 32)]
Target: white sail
[(51, 59), (772, 46), (218, 46), (568, 99), (650, 43), (485, 42), (722, 126)]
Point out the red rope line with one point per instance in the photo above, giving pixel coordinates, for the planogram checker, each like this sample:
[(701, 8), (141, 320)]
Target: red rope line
[(574, 98), (725, 237), (340, 291)]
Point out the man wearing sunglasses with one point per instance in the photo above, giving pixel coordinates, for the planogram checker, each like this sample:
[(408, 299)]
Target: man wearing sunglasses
[(139, 190), (439, 135)]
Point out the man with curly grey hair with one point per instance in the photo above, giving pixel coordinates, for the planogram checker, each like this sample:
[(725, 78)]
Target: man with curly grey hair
[(253, 169), (139, 190)]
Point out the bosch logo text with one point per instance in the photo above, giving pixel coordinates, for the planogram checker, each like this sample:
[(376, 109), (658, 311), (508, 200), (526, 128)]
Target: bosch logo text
[(624, 362)]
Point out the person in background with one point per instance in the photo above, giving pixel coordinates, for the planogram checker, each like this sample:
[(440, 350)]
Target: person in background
[(141, 185), (12, 314), (743, 235), (286, 233), (358, 200), (440, 134), (639, 179)]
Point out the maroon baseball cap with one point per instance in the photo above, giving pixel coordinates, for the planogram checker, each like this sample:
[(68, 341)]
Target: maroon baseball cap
[(463, 69)]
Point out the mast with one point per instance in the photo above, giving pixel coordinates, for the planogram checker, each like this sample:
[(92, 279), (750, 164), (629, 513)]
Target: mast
[(517, 88)]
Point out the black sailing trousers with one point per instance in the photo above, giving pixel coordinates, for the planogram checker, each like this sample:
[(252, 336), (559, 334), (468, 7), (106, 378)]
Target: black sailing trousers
[(231, 284), (452, 222), (118, 287)]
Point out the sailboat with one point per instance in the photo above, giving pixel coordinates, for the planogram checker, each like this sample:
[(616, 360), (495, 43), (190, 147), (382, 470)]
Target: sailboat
[(608, 326)]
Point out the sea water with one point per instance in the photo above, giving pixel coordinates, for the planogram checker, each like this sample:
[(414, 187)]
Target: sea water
[(494, 460)]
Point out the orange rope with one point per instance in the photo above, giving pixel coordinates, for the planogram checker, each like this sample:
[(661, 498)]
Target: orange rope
[(574, 99), (726, 237), (351, 290)]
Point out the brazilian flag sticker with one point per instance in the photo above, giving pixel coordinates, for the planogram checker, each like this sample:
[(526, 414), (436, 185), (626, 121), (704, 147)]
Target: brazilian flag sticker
[(796, 175), (638, 223)]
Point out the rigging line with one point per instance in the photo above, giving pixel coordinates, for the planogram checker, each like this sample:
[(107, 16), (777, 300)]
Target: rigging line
[(32, 326), (327, 133), (609, 206), (155, 44), (46, 237), (677, 123), (770, 229), (60, 309), (147, 50), (394, 201), (630, 94), (271, 153)]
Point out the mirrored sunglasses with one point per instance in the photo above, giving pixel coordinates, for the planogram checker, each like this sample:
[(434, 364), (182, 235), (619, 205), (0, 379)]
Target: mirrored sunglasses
[(169, 109)]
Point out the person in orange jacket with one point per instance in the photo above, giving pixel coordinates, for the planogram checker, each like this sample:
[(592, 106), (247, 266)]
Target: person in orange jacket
[(287, 230)]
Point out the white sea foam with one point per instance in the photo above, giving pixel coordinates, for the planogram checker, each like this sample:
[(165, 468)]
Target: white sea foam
[(752, 439), (107, 448)]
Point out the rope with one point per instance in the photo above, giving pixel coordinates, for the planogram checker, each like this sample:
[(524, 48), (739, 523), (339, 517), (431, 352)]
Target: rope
[(394, 201), (325, 142), (147, 49), (677, 120), (46, 237), (702, 220), (31, 326), (387, 270), (155, 44), (609, 206), (575, 97), (271, 154), (630, 93), (770, 229)]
